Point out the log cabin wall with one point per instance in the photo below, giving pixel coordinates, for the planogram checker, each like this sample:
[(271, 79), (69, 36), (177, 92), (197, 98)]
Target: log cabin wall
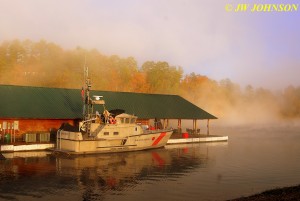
[(143, 121), (22, 126)]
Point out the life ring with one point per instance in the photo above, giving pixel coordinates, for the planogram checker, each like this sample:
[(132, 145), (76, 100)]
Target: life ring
[(112, 120)]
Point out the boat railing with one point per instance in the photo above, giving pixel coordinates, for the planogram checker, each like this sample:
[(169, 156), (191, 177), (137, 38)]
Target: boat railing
[(148, 131)]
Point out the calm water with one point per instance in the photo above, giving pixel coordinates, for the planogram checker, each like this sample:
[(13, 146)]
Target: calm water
[(253, 160)]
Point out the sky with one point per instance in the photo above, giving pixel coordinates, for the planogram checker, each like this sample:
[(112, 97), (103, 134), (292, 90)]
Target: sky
[(261, 49)]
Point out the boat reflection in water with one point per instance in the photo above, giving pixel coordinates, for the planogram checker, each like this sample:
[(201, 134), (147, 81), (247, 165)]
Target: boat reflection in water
[(62, 177)]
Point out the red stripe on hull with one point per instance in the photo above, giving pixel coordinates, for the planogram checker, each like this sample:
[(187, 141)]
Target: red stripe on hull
[(159, 138)]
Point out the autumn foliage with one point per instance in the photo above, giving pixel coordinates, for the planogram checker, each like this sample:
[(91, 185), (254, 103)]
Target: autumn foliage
[(48, 65)]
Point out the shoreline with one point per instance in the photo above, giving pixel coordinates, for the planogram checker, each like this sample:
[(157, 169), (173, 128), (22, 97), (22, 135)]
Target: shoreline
[(285, 193)]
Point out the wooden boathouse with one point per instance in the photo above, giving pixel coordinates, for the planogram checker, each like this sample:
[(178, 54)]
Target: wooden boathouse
[(25, 110)]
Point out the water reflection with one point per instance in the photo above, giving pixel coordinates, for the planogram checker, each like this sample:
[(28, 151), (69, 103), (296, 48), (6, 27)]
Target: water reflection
[(26, 176), (252, 161)]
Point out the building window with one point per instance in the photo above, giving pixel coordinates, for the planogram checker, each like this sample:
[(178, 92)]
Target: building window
[(106, 133), (116, 133)]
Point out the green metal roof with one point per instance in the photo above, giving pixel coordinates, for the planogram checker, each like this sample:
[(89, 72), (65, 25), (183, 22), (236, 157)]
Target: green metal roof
[(56, 103)]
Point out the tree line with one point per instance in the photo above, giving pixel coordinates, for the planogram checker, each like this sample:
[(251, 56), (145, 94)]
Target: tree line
[(46, 64)]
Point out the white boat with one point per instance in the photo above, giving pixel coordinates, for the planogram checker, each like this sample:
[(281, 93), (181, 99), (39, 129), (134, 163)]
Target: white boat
[(106, 132)]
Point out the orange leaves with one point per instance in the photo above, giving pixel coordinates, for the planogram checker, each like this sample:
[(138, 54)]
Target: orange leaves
[(139, 83)]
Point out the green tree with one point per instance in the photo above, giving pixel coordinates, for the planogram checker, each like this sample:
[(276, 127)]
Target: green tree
[(161, 77)]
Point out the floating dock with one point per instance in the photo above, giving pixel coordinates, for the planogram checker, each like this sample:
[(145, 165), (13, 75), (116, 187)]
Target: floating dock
[(25, 147), (195, 138)]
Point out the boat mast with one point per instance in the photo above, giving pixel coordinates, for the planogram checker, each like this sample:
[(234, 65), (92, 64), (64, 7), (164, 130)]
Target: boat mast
[(87, 103)]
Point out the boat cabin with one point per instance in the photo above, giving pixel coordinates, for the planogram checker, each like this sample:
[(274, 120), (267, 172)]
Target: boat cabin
[(125, 119)]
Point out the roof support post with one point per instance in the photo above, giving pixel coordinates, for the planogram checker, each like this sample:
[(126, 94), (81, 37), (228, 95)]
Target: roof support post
[(195, 126), (207, 126), (179, 126), (166, 123)]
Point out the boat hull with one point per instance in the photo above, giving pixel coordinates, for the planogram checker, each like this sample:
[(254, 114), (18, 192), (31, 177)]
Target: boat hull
[(149, 140)]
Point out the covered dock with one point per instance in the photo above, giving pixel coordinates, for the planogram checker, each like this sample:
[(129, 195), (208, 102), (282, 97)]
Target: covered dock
[(27, 110)]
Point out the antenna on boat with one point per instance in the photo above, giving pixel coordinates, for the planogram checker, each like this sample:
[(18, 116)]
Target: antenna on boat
[(87, 106), (83, 90), (86, 91)]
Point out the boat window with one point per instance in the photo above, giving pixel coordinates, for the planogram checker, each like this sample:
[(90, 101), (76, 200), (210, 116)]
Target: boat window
[(122, 120), (127, 120), (116, 133), (133, 120), (106, 133)]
